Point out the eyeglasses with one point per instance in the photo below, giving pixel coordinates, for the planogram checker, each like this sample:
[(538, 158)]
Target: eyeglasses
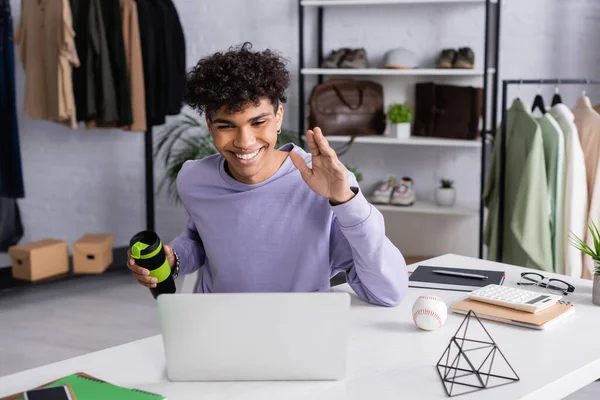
[(535, 279)]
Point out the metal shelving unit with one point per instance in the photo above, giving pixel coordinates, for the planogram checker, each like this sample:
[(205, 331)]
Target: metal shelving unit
[(425, 207), (412, 141), (491, 66), (394, 72)]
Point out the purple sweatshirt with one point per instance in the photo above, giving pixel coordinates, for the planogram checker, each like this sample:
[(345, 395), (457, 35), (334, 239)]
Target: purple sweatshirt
[(280, 236)]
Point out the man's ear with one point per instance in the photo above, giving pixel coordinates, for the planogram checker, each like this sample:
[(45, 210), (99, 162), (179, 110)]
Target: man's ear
[(208, 124), (279, 116)]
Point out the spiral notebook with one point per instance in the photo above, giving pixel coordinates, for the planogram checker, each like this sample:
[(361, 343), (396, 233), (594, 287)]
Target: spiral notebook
[(87, 387)]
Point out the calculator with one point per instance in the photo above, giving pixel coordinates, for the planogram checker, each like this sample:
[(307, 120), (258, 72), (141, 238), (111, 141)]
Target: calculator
[(518, 299)]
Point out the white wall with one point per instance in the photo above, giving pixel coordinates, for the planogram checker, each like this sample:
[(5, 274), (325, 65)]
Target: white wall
[(93, 181)]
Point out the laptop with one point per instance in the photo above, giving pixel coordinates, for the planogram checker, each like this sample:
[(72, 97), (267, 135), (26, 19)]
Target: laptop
[(255, 336)]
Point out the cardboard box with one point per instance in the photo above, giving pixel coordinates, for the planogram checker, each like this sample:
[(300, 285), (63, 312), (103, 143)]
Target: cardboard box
[(39, 260), (93, 253)]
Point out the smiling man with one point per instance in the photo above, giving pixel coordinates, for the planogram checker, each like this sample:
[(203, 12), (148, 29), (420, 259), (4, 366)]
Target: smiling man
[(267, 219)]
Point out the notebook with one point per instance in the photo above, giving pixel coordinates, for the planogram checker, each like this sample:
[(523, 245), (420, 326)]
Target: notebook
[(86, 387), (541, 320), (424, 277)]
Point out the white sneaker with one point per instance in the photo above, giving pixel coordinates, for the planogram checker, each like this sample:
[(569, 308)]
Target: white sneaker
[(383, 192), (403, 194)]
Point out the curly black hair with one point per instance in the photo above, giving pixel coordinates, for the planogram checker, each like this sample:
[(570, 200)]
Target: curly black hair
[(236, 78)]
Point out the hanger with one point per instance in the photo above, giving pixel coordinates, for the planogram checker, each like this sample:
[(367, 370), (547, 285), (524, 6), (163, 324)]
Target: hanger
[(538, 101), (556, 99)]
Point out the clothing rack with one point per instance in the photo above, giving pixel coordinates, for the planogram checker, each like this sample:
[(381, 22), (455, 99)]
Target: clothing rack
[(505, 84)]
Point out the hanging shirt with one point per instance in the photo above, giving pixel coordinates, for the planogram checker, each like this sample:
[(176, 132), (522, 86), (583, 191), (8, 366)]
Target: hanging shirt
[(526, 227), (45, 37), (554, 156), (81, 24), (163, 50), (174, 59), (113, 24), (587, 121), (151, 41), (575, 193), (11, 177), (279, 236), (135, 74)]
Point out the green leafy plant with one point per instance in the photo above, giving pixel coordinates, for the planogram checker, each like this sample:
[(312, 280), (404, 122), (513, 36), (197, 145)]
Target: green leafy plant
[(399, 113), (186, 137), (356, 172), (582, 246), (447, 183)]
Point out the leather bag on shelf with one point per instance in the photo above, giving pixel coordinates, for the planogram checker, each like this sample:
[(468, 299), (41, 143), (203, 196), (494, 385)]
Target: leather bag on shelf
[(447, 111), (347, 107)]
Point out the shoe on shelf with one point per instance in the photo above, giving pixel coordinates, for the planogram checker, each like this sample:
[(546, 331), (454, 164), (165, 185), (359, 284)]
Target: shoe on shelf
[(403, 193), (383, 192), (334, 58), (446, 58), (465, 58), (356, 58)]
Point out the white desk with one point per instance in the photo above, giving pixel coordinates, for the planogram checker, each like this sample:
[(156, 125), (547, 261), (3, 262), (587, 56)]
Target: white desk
[(388, 357)]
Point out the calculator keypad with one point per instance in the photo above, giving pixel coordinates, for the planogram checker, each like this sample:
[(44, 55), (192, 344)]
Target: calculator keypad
[(514, 298)]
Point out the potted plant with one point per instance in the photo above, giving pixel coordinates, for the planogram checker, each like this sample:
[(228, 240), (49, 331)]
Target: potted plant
[(186, 137), (355, 171), (400, 116), (593, 252), (445, 195)]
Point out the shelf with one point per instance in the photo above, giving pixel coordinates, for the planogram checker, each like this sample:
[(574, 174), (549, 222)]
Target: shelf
[(395, 72), (412, 141), (425, 207), (376, 2)]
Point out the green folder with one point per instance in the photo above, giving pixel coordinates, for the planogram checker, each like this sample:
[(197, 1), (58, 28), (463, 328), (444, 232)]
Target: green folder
[(88, 388)]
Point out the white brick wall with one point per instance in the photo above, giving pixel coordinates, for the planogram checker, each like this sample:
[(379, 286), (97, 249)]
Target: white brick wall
[(85, 181)]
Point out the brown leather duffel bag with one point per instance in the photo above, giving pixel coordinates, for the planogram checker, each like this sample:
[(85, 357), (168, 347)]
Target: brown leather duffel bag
[(447, 111), (347, 107)]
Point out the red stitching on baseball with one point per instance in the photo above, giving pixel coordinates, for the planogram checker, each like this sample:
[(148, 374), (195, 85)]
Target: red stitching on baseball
[(429, 297), (428, 312)]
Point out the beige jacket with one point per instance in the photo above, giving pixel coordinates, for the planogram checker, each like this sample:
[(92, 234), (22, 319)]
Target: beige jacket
[(46, 45), (133, 53), (588, 126)]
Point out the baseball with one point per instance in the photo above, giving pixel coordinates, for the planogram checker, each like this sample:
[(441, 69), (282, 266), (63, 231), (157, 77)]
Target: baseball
[(429, 312)]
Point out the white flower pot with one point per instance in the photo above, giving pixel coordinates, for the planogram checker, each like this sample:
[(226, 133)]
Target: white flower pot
[(400, 131), (445, 197), (596, 286)]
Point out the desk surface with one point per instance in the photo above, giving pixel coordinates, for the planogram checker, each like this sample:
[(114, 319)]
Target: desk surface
[(388, 357)]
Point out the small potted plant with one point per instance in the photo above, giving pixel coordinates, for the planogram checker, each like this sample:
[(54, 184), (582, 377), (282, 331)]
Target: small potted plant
[(445, 195), (593, 252), (400, 116), (355, 171)]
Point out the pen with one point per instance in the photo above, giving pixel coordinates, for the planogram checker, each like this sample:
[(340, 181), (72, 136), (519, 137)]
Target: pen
[(461, 274)]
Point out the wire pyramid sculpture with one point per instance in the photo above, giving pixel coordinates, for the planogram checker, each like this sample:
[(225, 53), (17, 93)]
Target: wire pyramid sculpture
[(471, 363)]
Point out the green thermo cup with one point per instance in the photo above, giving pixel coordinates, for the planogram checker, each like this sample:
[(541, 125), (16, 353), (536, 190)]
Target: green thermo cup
[(148, 252)]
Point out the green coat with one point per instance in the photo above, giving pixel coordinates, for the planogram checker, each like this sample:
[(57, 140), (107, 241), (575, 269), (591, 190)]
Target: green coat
[(554, 154), (527, 238)]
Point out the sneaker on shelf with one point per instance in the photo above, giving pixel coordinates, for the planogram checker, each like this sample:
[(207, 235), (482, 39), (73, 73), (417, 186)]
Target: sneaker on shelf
[(404, 194), (383, 192), (446, 58), (356, 58), (465, 58), (334, 58)]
